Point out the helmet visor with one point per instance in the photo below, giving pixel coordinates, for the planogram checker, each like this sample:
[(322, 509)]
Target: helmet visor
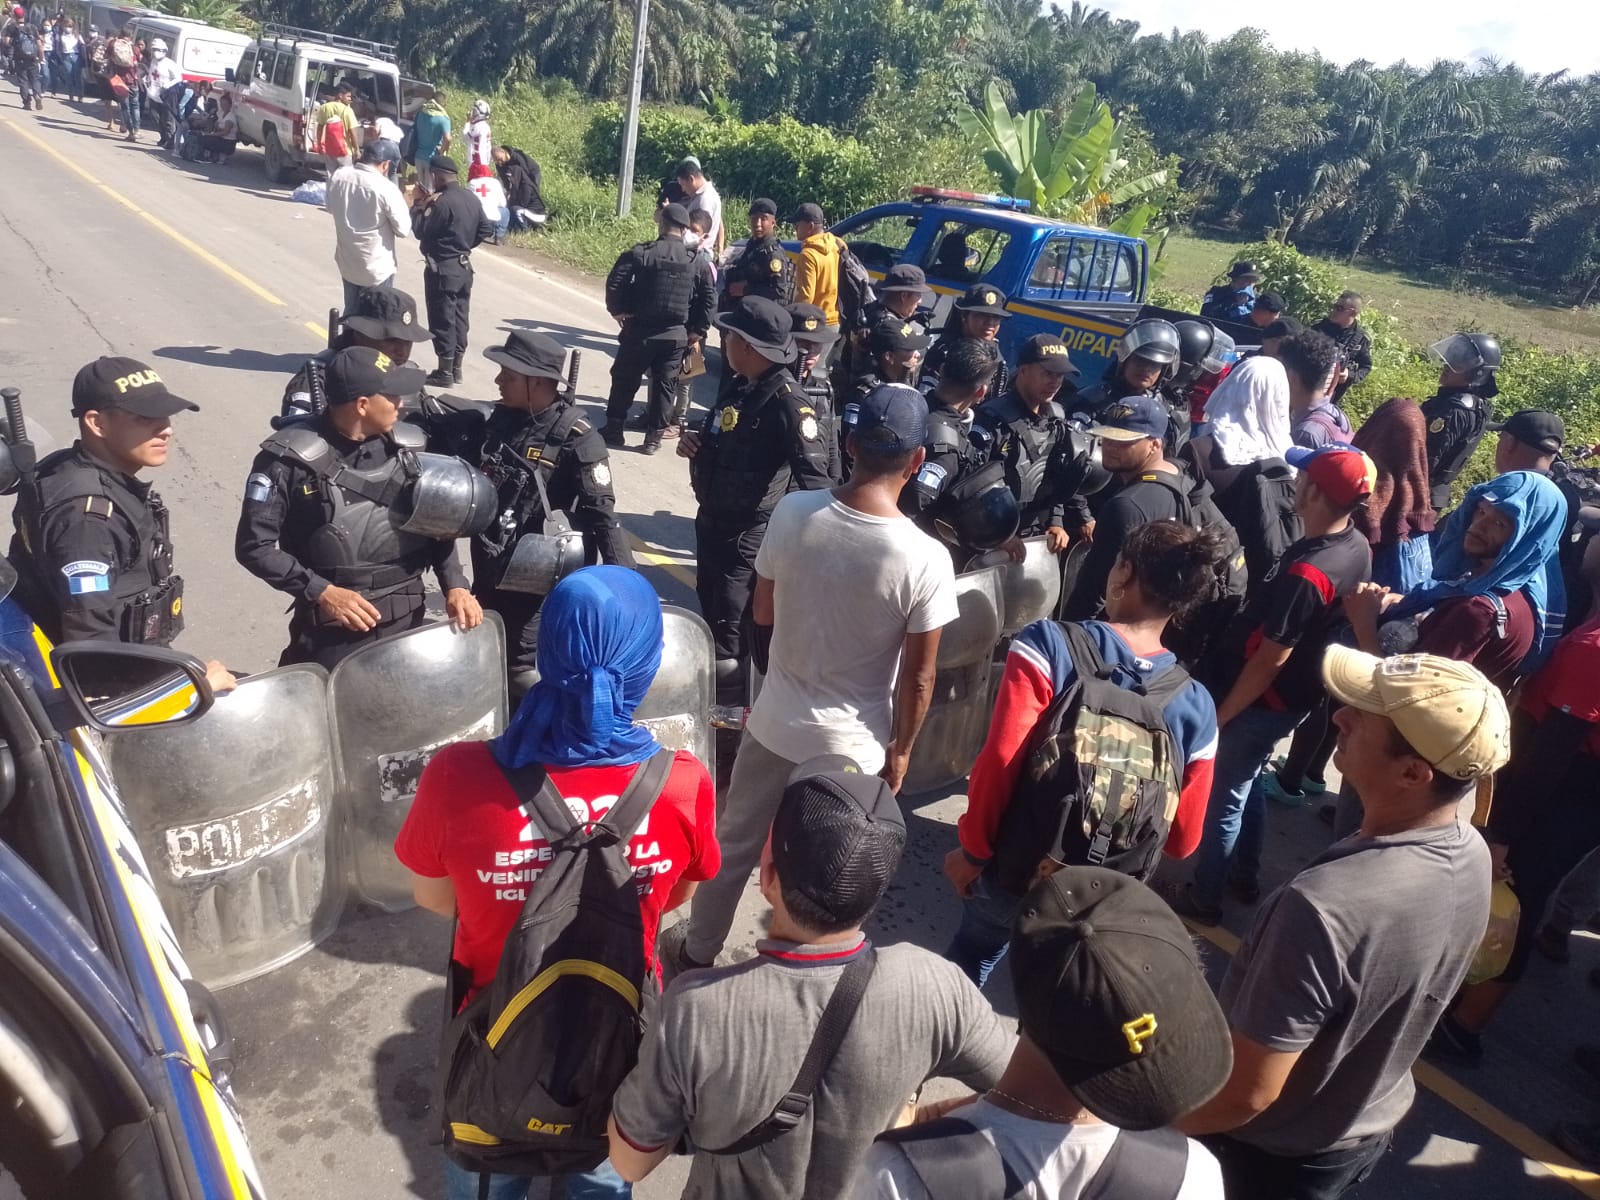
[(1459, 353)]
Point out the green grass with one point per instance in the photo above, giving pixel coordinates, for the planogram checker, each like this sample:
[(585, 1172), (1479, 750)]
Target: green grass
[(1424, 309)]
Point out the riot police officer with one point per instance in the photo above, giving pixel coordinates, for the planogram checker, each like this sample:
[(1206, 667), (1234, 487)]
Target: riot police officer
[(896, 348), (813, 337), (383, 318), (661, 295), (763, 267), (1459, 412), (320, 517), (1204, 353), (976, 315), (535, 447), (1027, 431), (757, 443), (448, 225), (1147, 358), (900, 297), (92, 549)]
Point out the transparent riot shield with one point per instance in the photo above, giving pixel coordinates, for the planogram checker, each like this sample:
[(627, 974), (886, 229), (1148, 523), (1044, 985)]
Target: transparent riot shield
[(958, 718), (394, 704), (235, 814), (1031, 588), (677, 708)]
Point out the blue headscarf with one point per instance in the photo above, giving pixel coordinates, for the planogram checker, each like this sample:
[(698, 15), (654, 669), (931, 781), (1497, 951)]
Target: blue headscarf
[(1527, 562), (600, 641)]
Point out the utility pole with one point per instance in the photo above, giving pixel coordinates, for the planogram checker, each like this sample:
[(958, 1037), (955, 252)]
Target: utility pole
[(630, 127)]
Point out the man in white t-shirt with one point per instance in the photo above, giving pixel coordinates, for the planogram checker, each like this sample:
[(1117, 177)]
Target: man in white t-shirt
[(701, 195), (849, 602), (1119, 1037)]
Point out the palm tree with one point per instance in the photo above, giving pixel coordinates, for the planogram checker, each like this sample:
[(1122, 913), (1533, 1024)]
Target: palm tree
[(591, 43)]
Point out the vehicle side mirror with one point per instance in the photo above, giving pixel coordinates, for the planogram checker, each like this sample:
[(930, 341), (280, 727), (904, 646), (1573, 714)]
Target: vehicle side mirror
[(227, 74), (112, 687)]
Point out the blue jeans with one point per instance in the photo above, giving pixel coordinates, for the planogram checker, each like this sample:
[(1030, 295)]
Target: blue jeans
[(985, 930), (352, 291), (503, 225), (602, 1183), (1236, 818), (130, 110)]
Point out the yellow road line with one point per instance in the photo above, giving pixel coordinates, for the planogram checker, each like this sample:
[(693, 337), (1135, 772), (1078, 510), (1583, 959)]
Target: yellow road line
[(1464, 1100), (193, 248), (320, 331), (653, 555)]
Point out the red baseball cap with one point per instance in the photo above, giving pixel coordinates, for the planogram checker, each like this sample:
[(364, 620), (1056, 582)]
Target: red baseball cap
[(1344, 473)]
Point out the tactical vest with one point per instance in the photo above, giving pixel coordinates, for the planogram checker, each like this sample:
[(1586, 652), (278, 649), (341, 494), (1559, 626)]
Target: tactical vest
[(1036, 445), (744, 450), (1454, 458), (360, 545), (765, 270), (510, 466), (147, 594), (662, 287)]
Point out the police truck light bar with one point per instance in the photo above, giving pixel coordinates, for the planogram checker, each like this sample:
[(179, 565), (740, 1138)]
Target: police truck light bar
[(922, 192)]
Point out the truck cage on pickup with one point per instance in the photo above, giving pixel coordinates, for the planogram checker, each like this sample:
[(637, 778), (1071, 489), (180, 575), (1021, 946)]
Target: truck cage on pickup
[(276, 33)]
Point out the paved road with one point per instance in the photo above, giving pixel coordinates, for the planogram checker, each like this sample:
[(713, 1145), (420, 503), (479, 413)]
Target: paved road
[(224, 285)]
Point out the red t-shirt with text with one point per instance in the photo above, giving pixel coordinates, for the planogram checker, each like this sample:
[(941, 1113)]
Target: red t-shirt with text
[(466, 823)]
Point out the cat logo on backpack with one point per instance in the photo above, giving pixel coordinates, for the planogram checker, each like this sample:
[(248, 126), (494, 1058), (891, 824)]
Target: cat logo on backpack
[(537, 1126)]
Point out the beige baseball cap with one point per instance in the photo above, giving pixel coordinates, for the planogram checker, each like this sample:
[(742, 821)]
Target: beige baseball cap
[(1452, 716)]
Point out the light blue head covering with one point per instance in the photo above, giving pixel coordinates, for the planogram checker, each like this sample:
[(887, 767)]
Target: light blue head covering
[(600, 642)]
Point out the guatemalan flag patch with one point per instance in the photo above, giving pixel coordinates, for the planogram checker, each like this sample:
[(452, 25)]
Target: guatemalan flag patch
[(86, 576)]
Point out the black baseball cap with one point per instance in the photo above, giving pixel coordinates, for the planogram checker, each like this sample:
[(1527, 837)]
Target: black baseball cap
[(1131, 418), (1109, 989), (892, 418), (809, 212), (124, 383), (385, 312), (811, 324), (904, 277), (894, 333), (1282, 327), (762, 206), (444, 163), (363, 371), (983, 298), (1047, 351), (1534, 427), (675, 214), (1244, 270), (534, 354), (837, 837), (763, 323), (1272, 302)]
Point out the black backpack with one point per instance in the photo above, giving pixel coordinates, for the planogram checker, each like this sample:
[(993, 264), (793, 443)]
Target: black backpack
[(1100, 779), (1196, 631), (1260, 506), (954, 1161), (529, 1067), (27, 46), (855, 288)]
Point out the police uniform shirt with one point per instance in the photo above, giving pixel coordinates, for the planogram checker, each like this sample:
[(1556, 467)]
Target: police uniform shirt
[(285, 502), (663, 288), (764, 269), (95, 551), (578, 483), (451, 223), (760, 441), (1455, 419), (1025, 441)]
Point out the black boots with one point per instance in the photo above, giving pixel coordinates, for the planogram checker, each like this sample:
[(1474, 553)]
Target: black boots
[(611, 433), (455, 369)]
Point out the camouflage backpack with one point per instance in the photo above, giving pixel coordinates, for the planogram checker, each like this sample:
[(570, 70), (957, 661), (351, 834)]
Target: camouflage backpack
[(1100, 780)]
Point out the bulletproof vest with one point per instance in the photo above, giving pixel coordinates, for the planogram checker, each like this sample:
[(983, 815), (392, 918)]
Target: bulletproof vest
[(663, 285), (1036, 443), (1455, 455), (754, 269), (742, 467), (510, 458), (147, 594), (360, 544)]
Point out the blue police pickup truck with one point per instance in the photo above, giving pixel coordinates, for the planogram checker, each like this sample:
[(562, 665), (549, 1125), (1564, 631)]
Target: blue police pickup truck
[(1084, 285)]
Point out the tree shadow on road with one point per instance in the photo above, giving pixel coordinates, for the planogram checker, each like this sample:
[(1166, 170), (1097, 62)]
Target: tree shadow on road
[(570, 336), (237, 359)]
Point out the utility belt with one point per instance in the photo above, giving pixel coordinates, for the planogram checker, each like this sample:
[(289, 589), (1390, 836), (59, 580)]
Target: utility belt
[(155, 617), (392, 604), (440, 262), (377, 577)]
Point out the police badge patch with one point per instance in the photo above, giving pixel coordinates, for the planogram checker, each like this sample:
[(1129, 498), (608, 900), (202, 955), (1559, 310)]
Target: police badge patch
[(931, 476), (257, 489), (777, 266), (1436, 425), (600, 475), (730, 418), (808, 428), (86, 576)]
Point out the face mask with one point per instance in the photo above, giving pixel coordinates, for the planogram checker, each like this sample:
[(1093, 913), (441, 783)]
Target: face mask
[(691, 239)]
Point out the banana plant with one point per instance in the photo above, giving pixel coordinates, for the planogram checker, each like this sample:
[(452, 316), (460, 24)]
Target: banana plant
[(1081, 174)]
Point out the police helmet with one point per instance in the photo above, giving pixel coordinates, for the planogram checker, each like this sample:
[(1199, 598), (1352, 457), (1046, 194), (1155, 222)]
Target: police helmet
[(1194, 347), (987, 518), (1154, 340), (1472, 354)]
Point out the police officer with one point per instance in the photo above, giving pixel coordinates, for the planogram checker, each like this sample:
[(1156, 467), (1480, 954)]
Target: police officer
[(900, 296), (94, 558), (976, 315), (448, 224), (895, 347), (759, 442), (317, 522), (662, 297), (959, 494), (1236, 299), (1204, 353), (1027, 431), (1146, 360), (535, 429), (763, 268), (813, 338), (383, 318), (1459, 412)]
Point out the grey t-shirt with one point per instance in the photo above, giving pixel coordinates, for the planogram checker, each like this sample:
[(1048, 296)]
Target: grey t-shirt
[(727, 1043), (1351, 963)]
